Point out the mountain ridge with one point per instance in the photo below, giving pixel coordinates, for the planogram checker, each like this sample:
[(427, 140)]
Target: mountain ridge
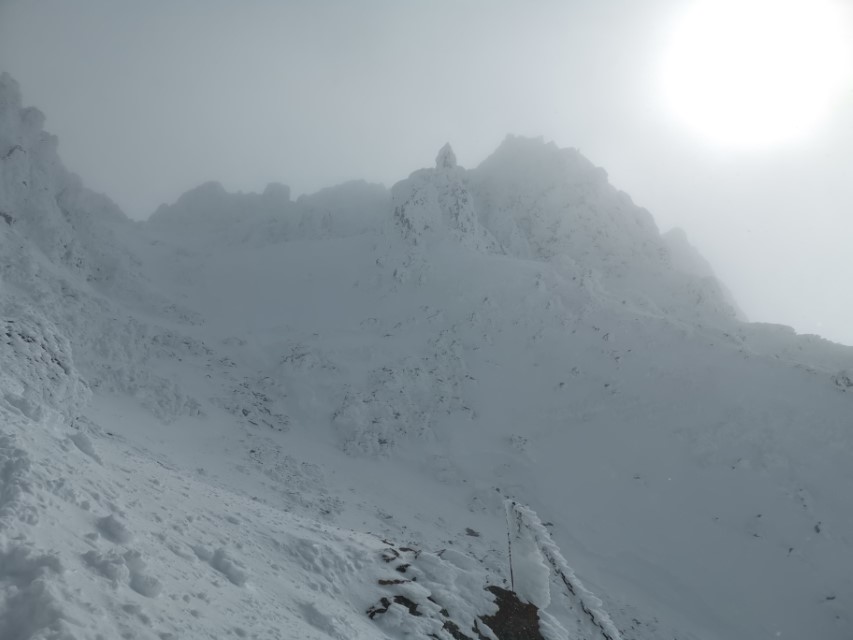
[(207, 414)]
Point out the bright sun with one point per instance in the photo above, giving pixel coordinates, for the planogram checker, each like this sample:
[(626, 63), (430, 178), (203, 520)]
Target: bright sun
[(754, 73)]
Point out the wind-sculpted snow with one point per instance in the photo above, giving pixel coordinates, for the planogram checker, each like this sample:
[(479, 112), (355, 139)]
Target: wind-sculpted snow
[(218, 422)]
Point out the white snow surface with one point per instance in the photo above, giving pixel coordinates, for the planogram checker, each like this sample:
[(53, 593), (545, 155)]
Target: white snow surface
[(243, 417)]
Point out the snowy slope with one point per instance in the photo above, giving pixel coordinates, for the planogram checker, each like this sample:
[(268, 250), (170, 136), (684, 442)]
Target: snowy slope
[(687, 259), (212, 420)]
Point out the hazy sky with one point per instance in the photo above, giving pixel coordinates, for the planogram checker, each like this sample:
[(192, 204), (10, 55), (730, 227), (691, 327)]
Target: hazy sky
[(151, 98)]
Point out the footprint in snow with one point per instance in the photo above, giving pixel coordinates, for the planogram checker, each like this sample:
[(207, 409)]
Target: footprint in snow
[(114, 530), (223, 563)]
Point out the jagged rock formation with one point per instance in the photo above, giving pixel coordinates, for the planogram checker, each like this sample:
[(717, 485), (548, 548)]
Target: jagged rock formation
[(533, 201), (445, 159), (61, 262), (434, 204), (209, 214), (44, 202)]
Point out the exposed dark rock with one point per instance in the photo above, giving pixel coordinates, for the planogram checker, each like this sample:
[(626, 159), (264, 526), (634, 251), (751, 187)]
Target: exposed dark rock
[(454, 631), (385, 604), (514, 620)]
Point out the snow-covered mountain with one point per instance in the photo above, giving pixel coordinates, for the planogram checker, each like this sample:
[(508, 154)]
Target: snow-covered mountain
[(252, 416)]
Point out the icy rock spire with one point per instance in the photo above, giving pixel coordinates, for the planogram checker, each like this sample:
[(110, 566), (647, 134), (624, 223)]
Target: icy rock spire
[(445, 159)]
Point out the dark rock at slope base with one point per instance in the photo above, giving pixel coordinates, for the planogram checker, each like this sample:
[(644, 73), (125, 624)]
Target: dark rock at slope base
[(514, 620)]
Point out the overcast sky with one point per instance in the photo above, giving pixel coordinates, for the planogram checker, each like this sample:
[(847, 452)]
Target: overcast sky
[(151, 98)]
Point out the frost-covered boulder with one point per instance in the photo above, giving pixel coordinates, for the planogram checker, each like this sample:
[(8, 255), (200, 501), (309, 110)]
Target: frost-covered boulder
[(844, 380)]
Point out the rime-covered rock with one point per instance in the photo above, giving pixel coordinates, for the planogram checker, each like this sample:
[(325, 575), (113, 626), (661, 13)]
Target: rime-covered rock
[(546, 203), (445, 159), (47, 204), (38, 378), (436, 205)]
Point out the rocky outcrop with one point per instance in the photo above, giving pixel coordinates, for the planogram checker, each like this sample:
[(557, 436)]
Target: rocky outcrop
[(435, 205), (210, 214), (44, 202)]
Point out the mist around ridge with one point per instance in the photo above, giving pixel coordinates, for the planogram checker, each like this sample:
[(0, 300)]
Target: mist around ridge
[(211, 417)]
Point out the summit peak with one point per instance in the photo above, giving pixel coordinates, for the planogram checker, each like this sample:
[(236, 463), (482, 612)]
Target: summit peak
[(445, 159)]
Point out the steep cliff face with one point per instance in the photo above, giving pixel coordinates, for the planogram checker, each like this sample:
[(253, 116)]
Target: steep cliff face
[(545, 202), (552, 204), (46, 203), (67, 275), (436, 204), (532, 201)]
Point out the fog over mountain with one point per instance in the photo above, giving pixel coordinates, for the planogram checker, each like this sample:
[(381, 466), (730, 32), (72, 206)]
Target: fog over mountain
[(488, 402), (152, 99)]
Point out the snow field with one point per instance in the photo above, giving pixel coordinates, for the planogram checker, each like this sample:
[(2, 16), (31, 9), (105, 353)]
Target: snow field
[(217, 423)]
